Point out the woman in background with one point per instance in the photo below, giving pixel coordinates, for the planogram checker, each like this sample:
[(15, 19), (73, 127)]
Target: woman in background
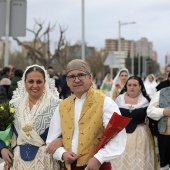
[(150, 85), (5, 83), (16, 77), (139, 152), (107, 85), (119, 82)]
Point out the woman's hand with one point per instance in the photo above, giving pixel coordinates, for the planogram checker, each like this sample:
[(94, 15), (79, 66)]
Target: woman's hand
[(166, 111), (54, 145), (7, 156)]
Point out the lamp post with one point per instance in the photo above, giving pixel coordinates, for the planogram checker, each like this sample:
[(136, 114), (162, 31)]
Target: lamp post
[(139, 72), (83, 33), (119, 42), (8, 4)]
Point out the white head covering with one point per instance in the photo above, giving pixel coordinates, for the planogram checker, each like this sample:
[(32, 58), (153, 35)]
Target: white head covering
[(20, 95), (147, 79), (150, 86), (20, 102), (117, 80), (49, 85)]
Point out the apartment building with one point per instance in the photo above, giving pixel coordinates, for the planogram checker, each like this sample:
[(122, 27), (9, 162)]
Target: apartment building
[(132, 48)]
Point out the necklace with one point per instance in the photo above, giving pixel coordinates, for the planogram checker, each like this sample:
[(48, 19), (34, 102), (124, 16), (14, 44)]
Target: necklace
[(32, 101), (132, 98)]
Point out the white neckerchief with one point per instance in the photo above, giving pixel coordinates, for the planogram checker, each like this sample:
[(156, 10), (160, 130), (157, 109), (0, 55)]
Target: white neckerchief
[(29, 115), (26, 115), (142, 102), (27, 118)]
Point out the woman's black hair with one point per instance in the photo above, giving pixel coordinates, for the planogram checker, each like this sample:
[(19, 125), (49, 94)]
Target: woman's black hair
[(5, 70), (123, 71), (33, 69), (143, 90)]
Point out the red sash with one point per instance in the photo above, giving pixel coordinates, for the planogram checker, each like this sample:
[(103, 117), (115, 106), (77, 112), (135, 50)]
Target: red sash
[(104, 166)]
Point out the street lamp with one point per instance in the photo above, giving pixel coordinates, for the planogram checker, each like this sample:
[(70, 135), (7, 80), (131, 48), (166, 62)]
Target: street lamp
[(7, 25), (119, 42), (83, 32)]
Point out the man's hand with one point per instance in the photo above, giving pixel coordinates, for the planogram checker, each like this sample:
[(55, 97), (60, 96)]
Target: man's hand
[(54, 145), (93, 164), (69, 157)]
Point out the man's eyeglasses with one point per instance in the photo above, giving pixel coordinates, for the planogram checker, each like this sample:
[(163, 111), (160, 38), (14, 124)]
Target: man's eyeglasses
[(80, 76)]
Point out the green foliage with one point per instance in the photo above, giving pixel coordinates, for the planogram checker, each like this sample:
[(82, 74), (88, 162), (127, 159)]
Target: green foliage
[(6, 115)]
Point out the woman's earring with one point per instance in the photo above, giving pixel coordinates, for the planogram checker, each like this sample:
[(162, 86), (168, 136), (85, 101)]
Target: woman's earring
[(139, 92)]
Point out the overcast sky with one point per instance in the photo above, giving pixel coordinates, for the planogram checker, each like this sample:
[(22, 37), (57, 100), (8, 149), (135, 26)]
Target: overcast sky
[(101, 20)]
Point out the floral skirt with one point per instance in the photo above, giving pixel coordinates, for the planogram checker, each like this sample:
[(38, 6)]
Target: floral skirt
[(42, 161), (139, 152)]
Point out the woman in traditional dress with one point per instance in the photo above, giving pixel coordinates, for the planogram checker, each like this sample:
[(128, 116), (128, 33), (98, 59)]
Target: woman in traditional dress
[(119, 82), (107, 85), (35, 101), (150, 85), (139, 153)]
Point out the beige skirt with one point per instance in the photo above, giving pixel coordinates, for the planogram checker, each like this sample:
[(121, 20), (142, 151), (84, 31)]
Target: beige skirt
[(42, 161), (138, 154)]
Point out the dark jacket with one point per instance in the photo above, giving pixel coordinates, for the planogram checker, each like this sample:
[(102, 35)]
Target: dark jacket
[(13, 85), (163, 84), (4, 93)]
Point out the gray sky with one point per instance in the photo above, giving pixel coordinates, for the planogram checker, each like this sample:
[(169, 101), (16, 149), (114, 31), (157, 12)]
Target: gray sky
[(101, 20)]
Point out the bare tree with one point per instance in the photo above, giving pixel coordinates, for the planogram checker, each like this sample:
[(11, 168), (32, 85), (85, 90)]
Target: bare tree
[(96, 62), (39, 48)]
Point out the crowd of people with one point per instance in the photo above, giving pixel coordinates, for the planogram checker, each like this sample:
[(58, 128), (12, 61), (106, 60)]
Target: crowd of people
[(60, 119)]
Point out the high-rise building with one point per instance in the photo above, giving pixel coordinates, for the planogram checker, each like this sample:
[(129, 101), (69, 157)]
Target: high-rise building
[(132, 48), (144, 48), (129, 48), (155, 56), (111, 44), (167, 59)]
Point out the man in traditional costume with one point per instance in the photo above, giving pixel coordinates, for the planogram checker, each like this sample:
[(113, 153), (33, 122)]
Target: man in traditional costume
[(159, 110), (81, 120)]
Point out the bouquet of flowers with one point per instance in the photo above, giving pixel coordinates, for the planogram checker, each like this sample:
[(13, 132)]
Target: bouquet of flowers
[(6, 120), (116, 124), (118, 87)]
